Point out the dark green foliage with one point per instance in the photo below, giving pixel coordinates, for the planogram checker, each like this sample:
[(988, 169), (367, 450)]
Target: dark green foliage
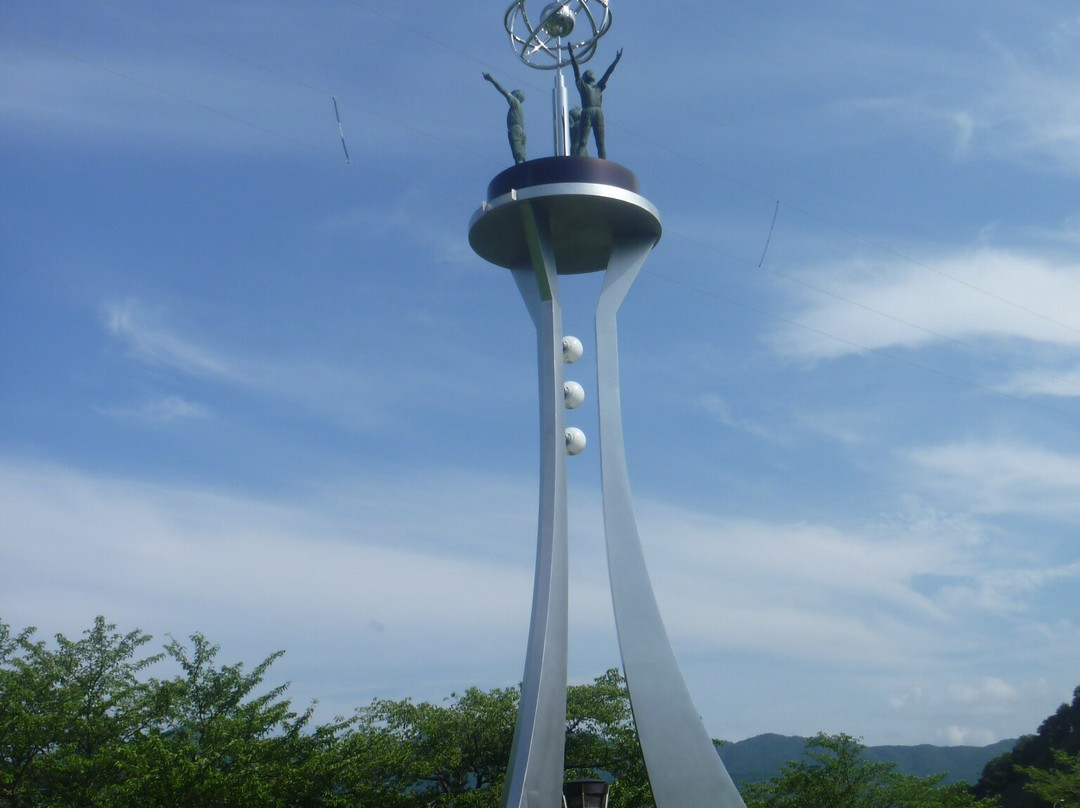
[(1012, 776), (447, 755), (66, 715), (212, 741), (601, 741), (80, 726), (1058, 784)]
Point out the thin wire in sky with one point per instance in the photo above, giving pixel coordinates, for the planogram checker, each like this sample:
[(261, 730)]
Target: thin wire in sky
[(769, 237), (341, 131)]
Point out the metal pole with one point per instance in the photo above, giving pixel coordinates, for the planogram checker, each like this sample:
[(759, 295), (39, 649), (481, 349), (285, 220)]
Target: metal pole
[(562, 117), (561, 113)]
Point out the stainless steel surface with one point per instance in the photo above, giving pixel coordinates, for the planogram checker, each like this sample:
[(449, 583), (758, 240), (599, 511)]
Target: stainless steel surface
[(540, 226), (535, 774), (561, 117), (684, 769), (545, 46)]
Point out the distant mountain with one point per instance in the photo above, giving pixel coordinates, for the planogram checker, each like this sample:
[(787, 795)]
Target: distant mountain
[(761, 757)]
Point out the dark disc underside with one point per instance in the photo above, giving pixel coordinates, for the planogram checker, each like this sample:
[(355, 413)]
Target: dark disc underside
[(585, 204)]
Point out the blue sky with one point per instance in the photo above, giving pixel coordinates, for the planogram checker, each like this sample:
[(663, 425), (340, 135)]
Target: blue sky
[(249, 390)]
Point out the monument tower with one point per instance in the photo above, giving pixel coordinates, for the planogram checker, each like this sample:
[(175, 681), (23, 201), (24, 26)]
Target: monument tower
[(562, 215)]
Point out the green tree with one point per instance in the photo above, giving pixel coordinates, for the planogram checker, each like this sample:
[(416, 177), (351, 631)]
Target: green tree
[(602, 742), (1060, 783), (448, 755), (27, 726), (1009, 776), (217, 740), (67, 713)]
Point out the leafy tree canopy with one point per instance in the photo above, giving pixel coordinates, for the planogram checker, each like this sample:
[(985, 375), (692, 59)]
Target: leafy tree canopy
[(1039, 766)]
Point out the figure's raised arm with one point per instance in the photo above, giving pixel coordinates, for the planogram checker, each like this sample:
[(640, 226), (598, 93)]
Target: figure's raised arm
[(498, 86), (573, 62), (607, 73)]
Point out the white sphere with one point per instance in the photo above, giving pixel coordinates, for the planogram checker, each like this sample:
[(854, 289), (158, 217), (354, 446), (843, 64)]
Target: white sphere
[(575, 441), (558, 20), (573, 395), (572, 349)]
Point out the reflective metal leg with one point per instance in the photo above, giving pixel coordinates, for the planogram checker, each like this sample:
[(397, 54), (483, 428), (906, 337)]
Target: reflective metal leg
[(684, 768), (535, 775)]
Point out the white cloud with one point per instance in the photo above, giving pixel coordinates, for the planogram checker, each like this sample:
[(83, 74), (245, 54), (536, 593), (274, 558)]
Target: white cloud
[(1006, 591), (990, 689), (1063, 383), (802, 590), (1003, 477), (416, 585), (148, 339), (410, 592), (965, 297), (163, 410), (718, 407), (953, 735), (1008, 103), (164, 97), (155, 337)]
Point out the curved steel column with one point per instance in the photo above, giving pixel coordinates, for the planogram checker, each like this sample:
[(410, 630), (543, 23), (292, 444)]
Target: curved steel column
[(535, 774), (684, 768)]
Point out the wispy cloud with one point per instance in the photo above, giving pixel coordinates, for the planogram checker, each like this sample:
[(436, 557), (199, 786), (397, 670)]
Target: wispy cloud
[(816, 591), (152, 99), (319, 576), (972, 295), (155, 337), (718, 407), (387, 582), (1002, 477), (1014, 103), (163, 410), (1062, 383), (149, 339), (965, 709)]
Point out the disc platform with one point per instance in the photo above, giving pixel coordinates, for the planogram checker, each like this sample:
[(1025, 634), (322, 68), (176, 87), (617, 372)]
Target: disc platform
[(587, 204)]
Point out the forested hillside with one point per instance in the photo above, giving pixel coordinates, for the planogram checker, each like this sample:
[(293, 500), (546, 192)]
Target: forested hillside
[(761, 757)]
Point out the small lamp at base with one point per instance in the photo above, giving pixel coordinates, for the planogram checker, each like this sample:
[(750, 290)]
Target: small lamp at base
[(585, 794)]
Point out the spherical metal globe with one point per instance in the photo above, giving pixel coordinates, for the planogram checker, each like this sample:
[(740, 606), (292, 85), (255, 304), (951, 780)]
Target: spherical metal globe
[(575, 441), (572, 349), (557, 19), (573, 395)]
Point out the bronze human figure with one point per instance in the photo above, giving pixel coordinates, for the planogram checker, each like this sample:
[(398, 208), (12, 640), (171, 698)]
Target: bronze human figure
[(592, 115), (575, 131), (515, 120)]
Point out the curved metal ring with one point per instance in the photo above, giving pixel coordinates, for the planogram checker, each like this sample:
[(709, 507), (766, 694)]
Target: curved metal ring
[(543, 51)]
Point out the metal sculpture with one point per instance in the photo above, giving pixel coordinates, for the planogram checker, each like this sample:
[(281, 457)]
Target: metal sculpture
[(544, 218), (545, 40), (591, 117), (542, 40), (515, 119)]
